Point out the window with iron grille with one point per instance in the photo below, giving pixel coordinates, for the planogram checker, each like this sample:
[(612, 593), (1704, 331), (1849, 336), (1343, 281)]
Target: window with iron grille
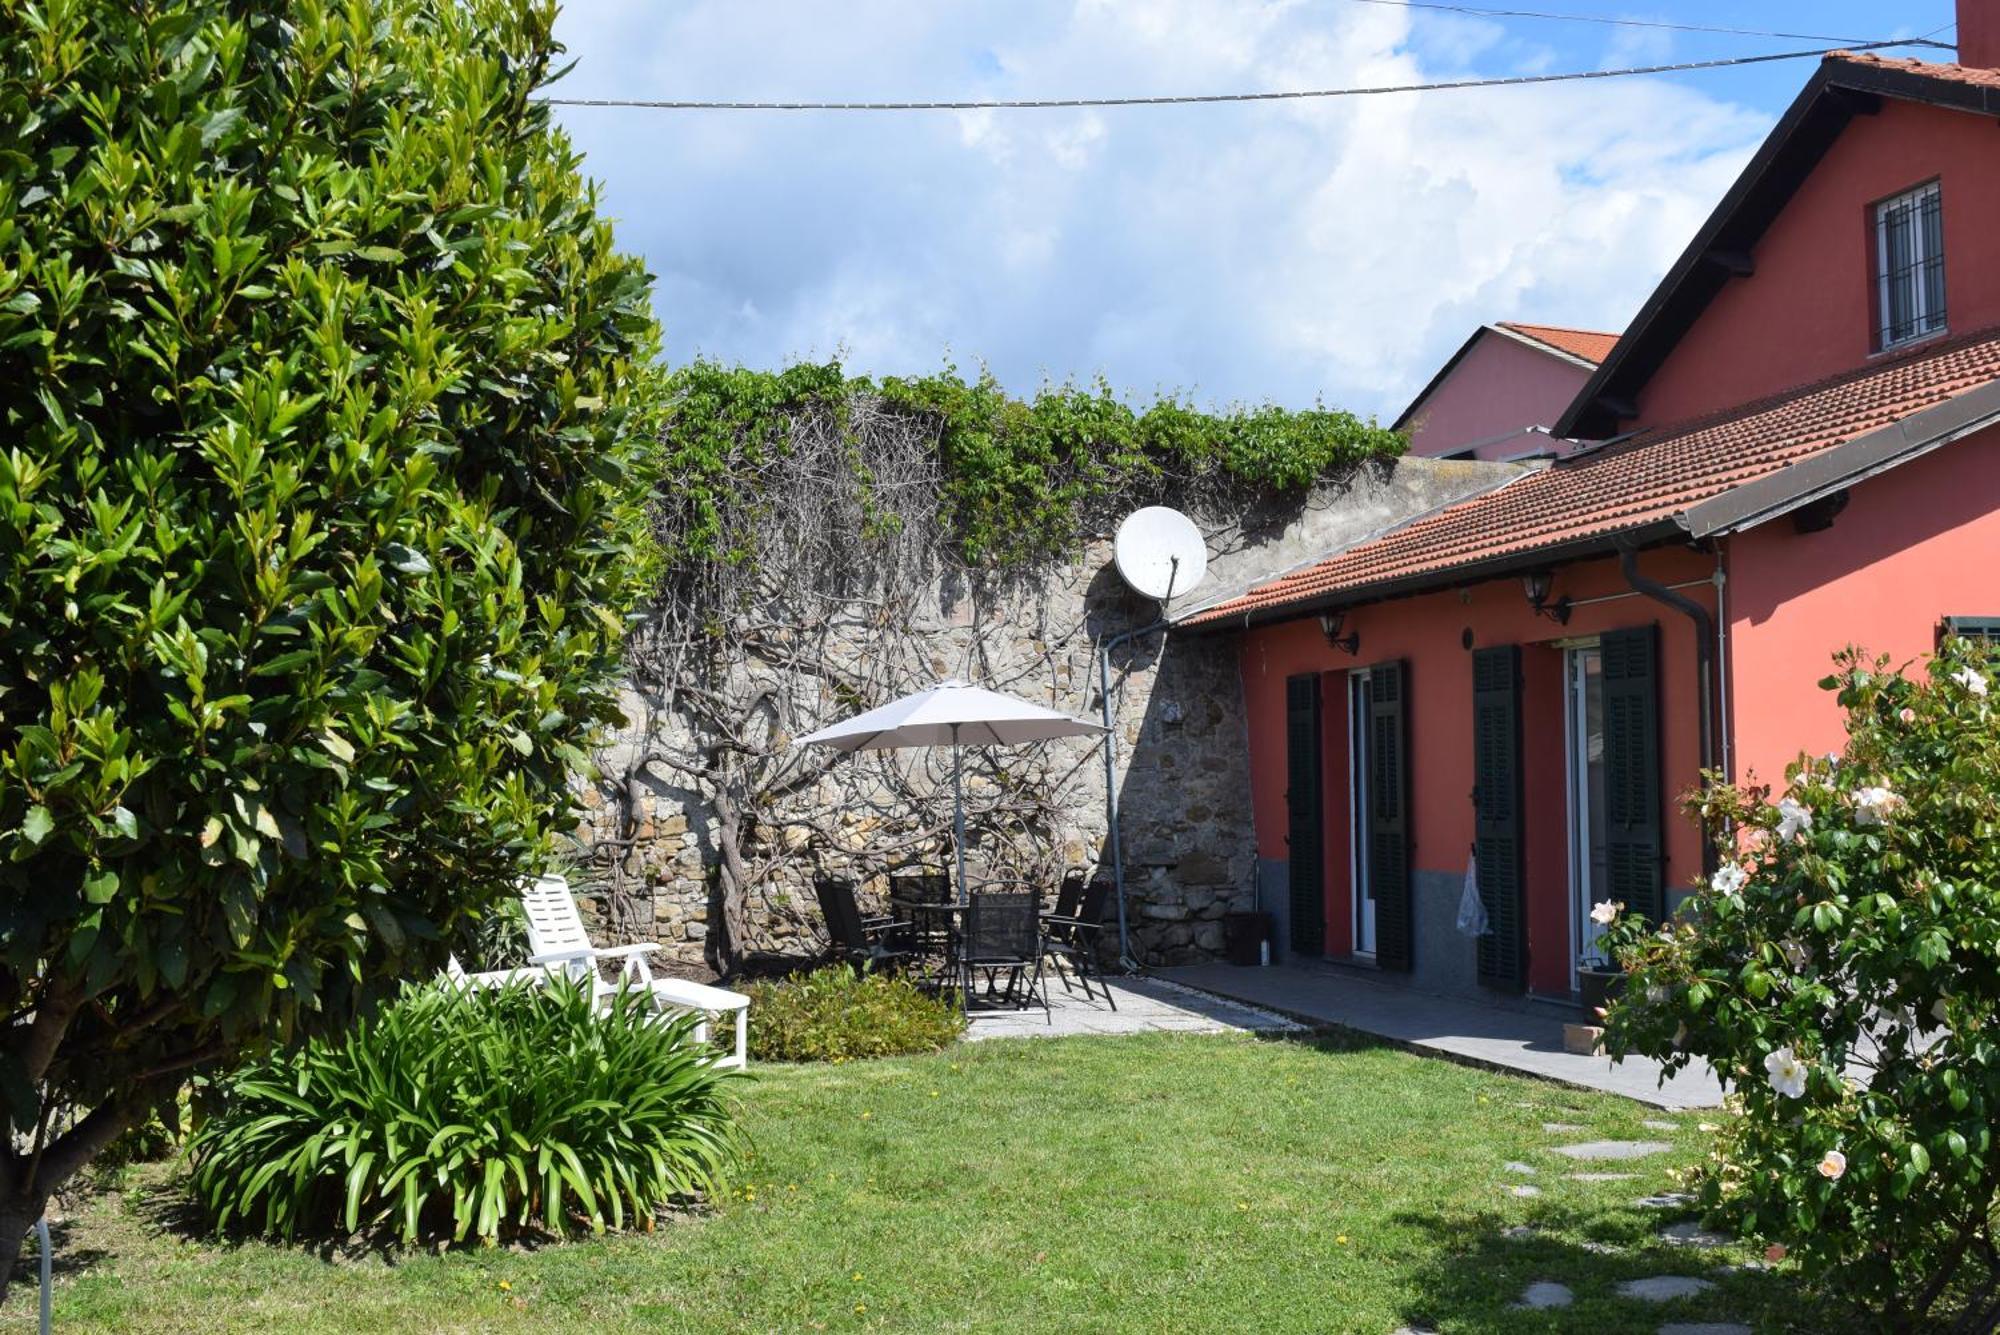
[(1909, 266), (1980, 630)]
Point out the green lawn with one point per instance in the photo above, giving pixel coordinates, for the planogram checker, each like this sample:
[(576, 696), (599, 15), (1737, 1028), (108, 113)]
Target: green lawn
[(1166, 1182)]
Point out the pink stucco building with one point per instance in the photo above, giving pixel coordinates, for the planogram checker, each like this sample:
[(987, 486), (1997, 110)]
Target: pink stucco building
[(1501, 391), (1794, 447)]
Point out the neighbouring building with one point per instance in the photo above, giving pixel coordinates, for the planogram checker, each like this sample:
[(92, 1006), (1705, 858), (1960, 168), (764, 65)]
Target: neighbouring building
[(1501, 391), (1794, 447)]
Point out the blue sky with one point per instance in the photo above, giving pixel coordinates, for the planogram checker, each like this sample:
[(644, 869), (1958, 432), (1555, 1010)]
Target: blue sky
[(1292, 252)]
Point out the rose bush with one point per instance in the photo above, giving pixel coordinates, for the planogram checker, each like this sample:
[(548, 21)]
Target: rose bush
[(1841, 970)]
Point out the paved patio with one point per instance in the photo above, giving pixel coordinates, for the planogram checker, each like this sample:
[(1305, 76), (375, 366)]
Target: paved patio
[(1145, 1005), (1498, 1036)]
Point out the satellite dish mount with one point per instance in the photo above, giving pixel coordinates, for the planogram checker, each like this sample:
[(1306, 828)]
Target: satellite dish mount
[(1159, 553)]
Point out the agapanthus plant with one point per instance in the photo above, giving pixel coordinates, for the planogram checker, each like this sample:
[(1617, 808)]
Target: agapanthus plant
[(1840, 969)]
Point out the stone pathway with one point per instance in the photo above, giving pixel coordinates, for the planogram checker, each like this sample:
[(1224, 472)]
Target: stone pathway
[(1545, 1294), (1145, 1005)]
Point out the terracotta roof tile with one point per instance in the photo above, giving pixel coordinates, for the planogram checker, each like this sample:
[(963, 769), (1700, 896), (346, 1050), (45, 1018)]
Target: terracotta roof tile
[(1587, 344), (1600, 491), (1966, 74)]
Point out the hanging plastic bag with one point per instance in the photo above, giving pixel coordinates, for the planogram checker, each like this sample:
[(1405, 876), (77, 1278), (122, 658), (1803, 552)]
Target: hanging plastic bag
[(1471, 908)]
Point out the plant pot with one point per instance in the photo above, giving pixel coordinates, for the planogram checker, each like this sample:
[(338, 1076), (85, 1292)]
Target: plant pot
[(1598, 988)]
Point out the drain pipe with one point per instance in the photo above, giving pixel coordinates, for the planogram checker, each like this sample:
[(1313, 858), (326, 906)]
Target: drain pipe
[(1125, 960), (1704, 657)]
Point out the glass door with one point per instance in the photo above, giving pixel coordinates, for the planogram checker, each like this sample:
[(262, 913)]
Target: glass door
[(1587, 861), (1359, 700)]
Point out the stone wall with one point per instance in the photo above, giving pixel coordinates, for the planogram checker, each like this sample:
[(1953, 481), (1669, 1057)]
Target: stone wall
[(1180, 746)]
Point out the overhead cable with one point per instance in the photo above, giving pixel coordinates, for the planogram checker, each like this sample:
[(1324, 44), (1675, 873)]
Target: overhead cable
[(1204, 99)]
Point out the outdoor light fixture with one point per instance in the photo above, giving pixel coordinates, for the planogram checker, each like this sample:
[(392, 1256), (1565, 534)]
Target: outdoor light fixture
[(1330, 624), (1537, 586)]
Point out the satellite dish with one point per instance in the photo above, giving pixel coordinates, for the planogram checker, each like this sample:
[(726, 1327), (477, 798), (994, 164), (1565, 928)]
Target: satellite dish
[(1159, 552)]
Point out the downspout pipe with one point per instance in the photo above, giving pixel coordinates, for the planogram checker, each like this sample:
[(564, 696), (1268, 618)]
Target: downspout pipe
[(1704, 659), (1125, 958)]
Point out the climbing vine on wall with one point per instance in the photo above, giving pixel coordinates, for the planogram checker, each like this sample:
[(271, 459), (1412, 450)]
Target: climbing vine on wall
[(811, 523), (1021, 478)]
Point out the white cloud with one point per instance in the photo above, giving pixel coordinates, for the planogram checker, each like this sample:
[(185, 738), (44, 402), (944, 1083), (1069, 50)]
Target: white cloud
[(1286, 250)]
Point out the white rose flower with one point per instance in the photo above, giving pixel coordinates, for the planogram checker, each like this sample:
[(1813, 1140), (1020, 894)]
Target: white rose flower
[(1793, 819), (1874, 806), (1833, 1165), (1728, 879), (1972, 679), (1786, 1073), (1605, 912), (1656, 994)]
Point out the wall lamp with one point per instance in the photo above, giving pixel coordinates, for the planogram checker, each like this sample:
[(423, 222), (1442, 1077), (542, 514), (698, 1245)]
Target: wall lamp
[(1330, 624), (1538, 586)]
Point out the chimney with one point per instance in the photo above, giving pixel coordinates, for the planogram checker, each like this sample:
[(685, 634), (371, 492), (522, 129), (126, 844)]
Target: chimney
[(1979, 33)]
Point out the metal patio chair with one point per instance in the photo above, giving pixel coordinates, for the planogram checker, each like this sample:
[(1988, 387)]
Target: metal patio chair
[(865, 942), (1003, 934), (1072, 941)]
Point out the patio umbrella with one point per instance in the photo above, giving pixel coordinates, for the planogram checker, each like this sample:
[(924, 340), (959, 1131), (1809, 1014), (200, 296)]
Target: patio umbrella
[(954, 714)]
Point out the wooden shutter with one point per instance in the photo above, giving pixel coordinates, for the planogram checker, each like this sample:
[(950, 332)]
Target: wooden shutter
[(1389, 813), (1633, 845), (1305, 812), (1496, 827)]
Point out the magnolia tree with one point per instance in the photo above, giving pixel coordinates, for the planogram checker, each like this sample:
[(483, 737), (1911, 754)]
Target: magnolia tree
[(322, 384), (1841, 970)]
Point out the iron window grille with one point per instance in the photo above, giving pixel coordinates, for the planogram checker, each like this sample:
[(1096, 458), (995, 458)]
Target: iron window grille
[(1909, 266), (1980, 630)]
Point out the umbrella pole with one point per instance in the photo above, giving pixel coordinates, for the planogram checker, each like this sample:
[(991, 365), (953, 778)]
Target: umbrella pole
[(958, 812)]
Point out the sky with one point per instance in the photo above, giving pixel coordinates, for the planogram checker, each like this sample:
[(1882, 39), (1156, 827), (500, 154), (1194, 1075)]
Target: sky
[(1294, 253)]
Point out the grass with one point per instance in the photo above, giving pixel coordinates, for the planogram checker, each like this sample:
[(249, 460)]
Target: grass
[(1159, 1182)]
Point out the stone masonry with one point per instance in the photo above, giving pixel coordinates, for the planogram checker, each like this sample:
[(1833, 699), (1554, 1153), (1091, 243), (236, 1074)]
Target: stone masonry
[(1183, 773)]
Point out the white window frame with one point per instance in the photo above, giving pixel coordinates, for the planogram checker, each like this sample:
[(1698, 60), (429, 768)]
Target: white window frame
[(1924, 323)]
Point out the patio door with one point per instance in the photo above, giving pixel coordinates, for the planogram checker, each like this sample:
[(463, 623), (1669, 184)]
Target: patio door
[(1305, 814), (1588, 853), (1616, 836), (1379, 814), (1359, 724)]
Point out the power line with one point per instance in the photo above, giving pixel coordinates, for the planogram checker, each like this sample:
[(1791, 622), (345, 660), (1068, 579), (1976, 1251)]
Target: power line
[(1201, 99), (1478, 12)]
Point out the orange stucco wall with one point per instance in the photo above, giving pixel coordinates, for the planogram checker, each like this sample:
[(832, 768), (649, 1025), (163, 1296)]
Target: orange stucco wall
[(1915, 545), (1427, 632), (1808, 311)]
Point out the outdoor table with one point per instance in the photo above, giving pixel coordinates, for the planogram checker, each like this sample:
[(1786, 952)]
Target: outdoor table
[(934, 932)]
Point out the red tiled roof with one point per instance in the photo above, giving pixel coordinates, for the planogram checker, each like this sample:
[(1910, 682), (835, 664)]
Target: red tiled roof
[(1587, 344), (1967, 74), (1598, 492)]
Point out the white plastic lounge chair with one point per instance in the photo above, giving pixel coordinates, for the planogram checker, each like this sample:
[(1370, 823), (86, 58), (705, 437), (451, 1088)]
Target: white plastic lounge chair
[(557, 942)]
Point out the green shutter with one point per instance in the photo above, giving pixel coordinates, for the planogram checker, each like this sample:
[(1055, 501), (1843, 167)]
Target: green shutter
[(1389, 813), (1633, 845), (1305, 811), (1496, 827)]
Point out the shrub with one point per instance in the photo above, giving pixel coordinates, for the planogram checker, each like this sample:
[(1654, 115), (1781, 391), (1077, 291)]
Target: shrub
[(467, 1113), (326, 395), (841, 1013), (1840, 970)]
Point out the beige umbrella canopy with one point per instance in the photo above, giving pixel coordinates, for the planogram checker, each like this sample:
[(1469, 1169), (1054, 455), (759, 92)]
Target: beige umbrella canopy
[(955, 714)]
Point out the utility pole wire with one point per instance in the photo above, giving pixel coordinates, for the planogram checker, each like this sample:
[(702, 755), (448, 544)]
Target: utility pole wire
[(1203, 99), (1477, 12)]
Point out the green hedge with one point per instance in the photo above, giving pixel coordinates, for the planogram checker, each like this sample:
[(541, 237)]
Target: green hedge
[(840, 1014)]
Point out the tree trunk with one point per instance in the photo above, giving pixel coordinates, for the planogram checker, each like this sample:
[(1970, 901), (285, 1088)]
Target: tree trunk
[(17, 1215), (26, 1183), (729, 917)]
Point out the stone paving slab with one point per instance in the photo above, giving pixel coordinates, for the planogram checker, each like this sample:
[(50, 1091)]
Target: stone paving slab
[(1496, 1036), (1613, 1150), (1145, 1005)]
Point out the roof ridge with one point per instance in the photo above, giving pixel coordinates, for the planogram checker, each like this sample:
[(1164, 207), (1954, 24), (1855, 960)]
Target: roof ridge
[(1561, 328)]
